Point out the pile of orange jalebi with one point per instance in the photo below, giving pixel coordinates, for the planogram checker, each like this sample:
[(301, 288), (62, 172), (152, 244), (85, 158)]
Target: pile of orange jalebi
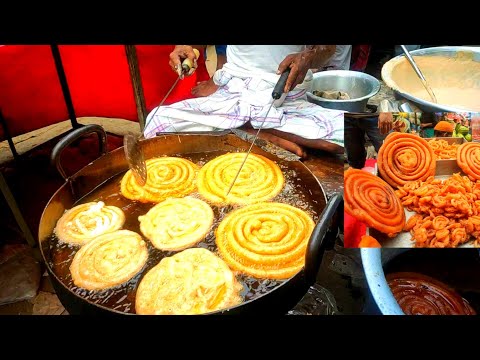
[(448, 212), (444, 150), (468, 159)]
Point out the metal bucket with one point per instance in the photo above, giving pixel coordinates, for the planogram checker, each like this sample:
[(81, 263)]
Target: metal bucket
[(359, 86), (459, 268)]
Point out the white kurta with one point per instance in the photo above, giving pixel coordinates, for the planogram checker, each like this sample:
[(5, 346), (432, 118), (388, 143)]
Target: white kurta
[(246, 83)]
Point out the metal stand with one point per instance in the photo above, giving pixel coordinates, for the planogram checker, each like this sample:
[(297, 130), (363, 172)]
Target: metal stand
[(73, 119), (16, 211), (63, 82), (137, 84)]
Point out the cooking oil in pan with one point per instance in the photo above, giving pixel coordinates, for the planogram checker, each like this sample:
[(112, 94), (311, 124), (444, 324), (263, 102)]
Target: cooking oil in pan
[(122, 297)]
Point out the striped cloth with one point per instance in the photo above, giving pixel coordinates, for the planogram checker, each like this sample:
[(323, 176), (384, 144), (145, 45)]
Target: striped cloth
[(240, 100)]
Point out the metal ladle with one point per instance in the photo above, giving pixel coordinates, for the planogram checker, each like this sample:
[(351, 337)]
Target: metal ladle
[(419, 73)]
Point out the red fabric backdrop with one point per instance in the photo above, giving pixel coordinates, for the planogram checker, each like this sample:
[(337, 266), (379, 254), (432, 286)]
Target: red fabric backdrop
[(98, 77)]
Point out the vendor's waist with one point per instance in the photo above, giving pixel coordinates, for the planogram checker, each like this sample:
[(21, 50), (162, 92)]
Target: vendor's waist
[(269, 77)]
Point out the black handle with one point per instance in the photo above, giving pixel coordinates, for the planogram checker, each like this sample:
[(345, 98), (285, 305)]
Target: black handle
[(280, 86), (71, 137), (326, 230)]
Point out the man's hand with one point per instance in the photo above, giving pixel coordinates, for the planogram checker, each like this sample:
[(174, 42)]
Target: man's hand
[(314, 56), (178, 55), (385, 122)]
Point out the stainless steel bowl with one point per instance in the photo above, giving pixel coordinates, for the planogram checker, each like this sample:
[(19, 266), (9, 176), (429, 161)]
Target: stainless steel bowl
[(427, 106), (359, 86)]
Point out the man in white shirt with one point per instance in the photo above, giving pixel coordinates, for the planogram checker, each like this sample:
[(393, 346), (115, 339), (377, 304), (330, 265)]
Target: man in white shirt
[(245, 83), (341, 58)]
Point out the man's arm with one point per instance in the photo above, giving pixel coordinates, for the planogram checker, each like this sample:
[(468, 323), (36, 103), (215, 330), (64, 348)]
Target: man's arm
[(314, 56), (320, 54)]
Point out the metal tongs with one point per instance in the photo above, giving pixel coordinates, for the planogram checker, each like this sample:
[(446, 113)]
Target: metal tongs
[(276, 94), (132, 147)]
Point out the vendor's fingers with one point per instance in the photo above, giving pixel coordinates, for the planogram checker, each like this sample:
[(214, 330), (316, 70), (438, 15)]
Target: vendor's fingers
[(389, 127), (292, 78), (380, 126), (175, 66), (384, 129), (179, 55), (298, 80), (175, 63), (192, 70), (285, 64)]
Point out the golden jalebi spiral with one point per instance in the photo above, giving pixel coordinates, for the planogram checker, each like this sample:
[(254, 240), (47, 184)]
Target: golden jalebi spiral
[(109, 260), (176, 224), (405, 157), (194, 281), (468, 159), (372, 201), (166, 177), (265, 240), (418, 294), (260, 179), (84, 222)]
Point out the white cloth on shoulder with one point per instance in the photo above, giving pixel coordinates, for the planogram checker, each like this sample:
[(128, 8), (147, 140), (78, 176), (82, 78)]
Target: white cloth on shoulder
[(239, 100)]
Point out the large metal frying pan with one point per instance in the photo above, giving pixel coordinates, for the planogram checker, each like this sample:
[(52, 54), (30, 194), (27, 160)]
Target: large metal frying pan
[(278, 300)]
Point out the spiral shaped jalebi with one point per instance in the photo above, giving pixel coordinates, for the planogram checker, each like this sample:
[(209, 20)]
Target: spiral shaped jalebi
[(260, 179), (109, 260), (176, 224), (84, 222), (372, 201), (405, 157), (265, 240), (166, 177), (468, 159)]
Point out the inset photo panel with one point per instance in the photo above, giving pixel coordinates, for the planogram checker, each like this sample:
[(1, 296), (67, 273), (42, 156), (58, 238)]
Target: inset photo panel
[(411, 181)]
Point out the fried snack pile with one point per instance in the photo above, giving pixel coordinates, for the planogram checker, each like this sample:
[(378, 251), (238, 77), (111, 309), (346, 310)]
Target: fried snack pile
[(443, 150), (176, 224), (448, 212), (166, 177), (84, 222), (265, 240), (468, 159), (109, 260), (261, 179), (405, 157), (372, 201)]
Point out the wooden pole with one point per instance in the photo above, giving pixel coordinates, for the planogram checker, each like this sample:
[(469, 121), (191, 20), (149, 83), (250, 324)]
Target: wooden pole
[(137, 84), (3, 122)]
